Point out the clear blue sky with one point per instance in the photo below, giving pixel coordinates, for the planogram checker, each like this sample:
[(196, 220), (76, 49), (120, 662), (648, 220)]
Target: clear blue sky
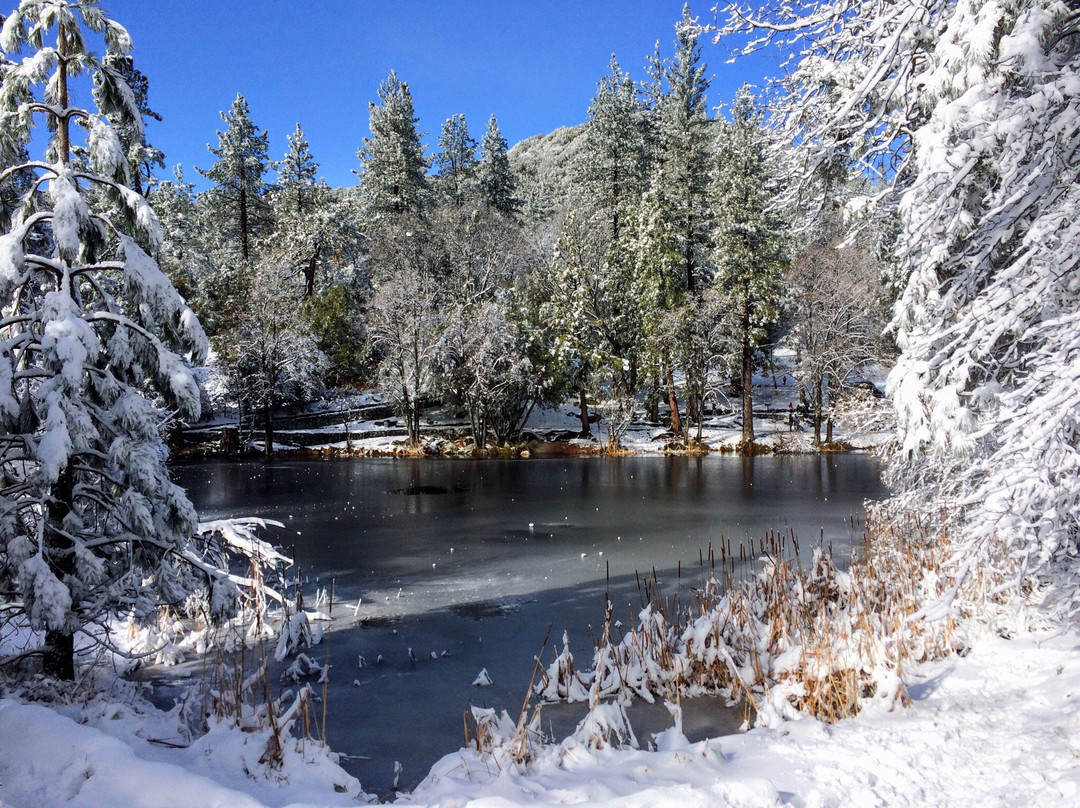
[(318, 63)]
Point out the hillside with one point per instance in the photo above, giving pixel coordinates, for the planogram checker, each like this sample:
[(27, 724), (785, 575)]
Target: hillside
[(544, 165)]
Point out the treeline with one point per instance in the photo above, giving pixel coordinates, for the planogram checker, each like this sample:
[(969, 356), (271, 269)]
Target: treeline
[(655, 271)]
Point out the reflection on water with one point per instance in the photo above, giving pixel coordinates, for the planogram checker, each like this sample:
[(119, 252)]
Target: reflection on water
[(474, 560)]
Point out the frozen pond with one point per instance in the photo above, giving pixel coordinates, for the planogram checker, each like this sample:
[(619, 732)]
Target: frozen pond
[(478, 558)]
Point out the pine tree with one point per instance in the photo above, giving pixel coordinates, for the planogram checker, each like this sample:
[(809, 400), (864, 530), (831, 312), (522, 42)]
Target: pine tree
[(297, 173), (456, 161), (613, 166), (651, 245), (88, 517), (393, 171), (239, 194), (748, 250), (182, 253), (142, 156), (572, 314), (495, 176), (683, 131), (312, 222)]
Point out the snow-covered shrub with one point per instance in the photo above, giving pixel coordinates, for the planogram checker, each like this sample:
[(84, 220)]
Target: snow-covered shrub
[(616, 414), (295, 634)]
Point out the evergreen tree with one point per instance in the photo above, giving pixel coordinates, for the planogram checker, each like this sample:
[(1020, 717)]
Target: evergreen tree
[(182, 255), (297, 173), (683, 132), (238, 199), (393, 171), (748, 248), (142, 156), (456, 161), (89, 520), (495, 176), (317, 227), (573, 312), (612, 167), (649, 249)]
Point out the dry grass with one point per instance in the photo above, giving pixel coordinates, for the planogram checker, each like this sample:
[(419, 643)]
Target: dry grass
[(807, 637)]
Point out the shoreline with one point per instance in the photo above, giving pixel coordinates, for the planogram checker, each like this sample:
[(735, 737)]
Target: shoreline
[(444, 441)]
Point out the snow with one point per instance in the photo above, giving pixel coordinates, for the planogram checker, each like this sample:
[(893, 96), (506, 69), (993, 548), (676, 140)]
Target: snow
[(999, 726)]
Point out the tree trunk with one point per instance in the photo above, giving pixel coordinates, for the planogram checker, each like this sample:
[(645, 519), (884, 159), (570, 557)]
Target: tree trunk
[(816, 403), (58, 660), (828, 430), (59, 657), (309, 275), (747, 384), (673, 403), (652, 401), (583, 406), (268, 429), (243, 220)]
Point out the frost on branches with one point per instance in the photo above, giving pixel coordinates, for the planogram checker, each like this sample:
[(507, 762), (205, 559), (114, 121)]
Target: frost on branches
[(969, 112), (95, 346)]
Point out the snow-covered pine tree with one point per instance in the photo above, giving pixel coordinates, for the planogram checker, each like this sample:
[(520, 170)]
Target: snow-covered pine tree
[(612, 166), (393, 173), (88, 517), (495, 177), (316, 238), (748, 245), (456, 161), (974, 109), (298, 173), (238, 198), (682, 130), (143, 157), (648, 248), (312, 223), (182, 252)]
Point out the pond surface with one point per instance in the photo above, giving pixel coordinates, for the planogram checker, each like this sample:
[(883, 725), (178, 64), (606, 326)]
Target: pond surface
[(468, 563)]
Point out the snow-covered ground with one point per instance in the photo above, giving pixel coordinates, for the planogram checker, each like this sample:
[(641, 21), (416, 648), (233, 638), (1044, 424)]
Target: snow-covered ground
[(775, 392), (997, 727)]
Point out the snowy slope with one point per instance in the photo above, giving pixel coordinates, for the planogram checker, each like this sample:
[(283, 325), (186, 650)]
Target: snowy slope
[(999, 727)]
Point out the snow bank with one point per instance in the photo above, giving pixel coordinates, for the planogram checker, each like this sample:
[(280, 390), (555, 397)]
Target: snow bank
[(48, 759), (999, 727)]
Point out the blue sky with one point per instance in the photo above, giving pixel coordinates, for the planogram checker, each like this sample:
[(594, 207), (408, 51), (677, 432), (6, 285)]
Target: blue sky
[(534, 65)]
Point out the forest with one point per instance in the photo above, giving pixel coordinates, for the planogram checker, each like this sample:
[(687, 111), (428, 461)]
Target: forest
[(633, 263)]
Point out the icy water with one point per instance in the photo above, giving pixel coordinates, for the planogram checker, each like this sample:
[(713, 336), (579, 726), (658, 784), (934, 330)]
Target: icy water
[(465, 564)]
